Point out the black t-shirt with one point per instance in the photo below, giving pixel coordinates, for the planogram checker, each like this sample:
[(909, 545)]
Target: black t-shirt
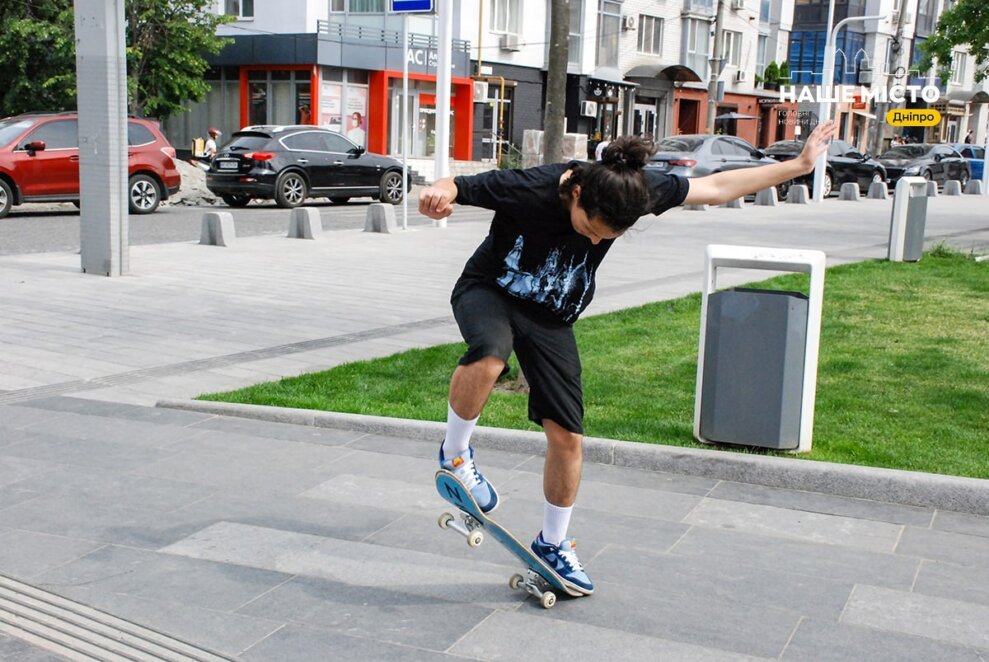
[(532, 251)]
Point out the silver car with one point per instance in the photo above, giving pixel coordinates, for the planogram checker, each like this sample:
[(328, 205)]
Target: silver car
[(696, 155)]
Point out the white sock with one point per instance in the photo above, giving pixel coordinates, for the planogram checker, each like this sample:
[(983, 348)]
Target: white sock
[(458, 433), (555, 523)]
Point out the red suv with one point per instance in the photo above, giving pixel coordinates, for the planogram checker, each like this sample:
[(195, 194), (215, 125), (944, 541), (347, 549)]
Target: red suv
[(39, 162)]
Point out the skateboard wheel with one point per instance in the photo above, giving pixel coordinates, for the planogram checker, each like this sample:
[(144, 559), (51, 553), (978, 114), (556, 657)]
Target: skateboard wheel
[(475, 538), (445, 520), (515, 581), (548, 600)]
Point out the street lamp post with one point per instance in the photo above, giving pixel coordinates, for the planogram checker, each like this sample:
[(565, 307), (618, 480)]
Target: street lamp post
[(827, 80)]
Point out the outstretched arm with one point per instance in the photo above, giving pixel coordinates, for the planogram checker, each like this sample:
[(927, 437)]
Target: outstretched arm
[(436, 201), (724, 186)]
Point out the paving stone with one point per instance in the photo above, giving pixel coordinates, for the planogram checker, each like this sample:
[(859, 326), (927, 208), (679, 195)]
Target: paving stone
[(14, 469), (18, 650), (973, 525), (784, 523), (651, 480), (300, 644), (118, 410), (14, 417), (281, 431), (952, 621), (517, 636), (827, 504), (378, 613), (70, 425), (24, 554), (840, 564), (819, 641), (959, 582), (944, 546)]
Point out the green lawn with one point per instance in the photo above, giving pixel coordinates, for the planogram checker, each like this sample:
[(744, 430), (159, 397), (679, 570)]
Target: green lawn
[(903, 380)]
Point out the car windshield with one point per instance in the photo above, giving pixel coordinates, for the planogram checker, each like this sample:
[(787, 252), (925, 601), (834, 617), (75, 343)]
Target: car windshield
[(679, 144), (247, 143), (11, 128), (784, 148), (904, 152)]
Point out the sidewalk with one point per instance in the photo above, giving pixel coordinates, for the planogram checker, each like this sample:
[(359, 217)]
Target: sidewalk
[(270, 541)]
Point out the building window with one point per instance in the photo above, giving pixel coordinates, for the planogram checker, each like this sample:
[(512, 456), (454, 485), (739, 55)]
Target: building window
[(807, 57), (505, 16), (697, 45), (731, 48), (760, 54), (650, 34), (366, 6), (239, 8), (609, 29), (765, 10), (958, 62), (576, 49)]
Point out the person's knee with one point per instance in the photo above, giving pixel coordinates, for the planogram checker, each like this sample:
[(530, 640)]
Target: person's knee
[(491, 366), (561, 439)]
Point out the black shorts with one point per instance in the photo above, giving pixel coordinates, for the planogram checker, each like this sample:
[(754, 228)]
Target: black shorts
[(493, 324)]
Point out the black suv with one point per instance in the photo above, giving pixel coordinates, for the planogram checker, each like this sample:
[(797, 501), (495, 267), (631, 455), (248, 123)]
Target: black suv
[(293, 163)]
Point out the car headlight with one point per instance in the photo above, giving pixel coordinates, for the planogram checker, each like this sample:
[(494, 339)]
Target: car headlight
[(912, 170)]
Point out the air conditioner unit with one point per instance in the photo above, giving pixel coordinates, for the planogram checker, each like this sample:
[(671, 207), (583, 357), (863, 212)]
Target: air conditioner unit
[(741, 76), (907, 20), (628, 22), (738, 4), (589, 108), (510, 42), (480, 91)]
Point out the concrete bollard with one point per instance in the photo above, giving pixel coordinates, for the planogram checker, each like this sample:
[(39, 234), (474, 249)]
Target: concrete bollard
[(932, 189), (217, 229), (952, 187), (797, 194), (305, 223), (974, 187), (737, 203), (766, 198), (849, 191), (380, 218), (695, 207), (878, 191)]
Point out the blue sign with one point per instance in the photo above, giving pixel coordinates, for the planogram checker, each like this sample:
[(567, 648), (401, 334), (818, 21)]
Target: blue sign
[(407, 6)]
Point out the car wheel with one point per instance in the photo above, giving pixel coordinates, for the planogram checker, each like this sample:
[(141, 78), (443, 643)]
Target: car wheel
[(782, 190), (828, 184), (6, 198), (339, 200), (927, 175), (236, 200), (290, 190), (391, 187), (144, 195), (964, 179)]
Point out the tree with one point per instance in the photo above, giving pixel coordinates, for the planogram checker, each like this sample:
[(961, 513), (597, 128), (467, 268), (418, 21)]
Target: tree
[(166, 44), (966, 22), (556, 81)]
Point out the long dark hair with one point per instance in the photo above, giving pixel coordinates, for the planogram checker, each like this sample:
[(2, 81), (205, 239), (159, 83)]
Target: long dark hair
[(614, 189)]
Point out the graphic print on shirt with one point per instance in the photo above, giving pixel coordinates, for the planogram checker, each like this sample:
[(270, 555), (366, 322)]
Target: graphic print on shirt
[(560, 287)]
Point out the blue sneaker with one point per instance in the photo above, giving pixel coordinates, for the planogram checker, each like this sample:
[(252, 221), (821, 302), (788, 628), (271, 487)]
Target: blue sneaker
[(563, 559), (462, 466)]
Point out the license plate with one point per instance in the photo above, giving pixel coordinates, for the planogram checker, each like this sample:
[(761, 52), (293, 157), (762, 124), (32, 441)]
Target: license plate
[(227, 165)]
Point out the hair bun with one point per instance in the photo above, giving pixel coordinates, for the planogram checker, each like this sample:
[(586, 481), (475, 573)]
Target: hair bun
[(628, 152)]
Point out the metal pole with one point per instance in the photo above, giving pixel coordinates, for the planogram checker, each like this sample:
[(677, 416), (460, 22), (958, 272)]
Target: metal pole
[(443, 82), (824, 107), (405, 119), (717, 65), (985, 161)]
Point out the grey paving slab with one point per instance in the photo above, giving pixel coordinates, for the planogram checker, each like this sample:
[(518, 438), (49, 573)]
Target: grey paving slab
[(13, 469), (951, 621), (13, 417), (181, 580), (428, 450), (12, 495), (280, 431), (959, 582), (517, 636), (784, 523), (822, 641), (18, 650), (117, 410), (827, 504), (302, 645), (807, 558), (973, 525), (376, 613), (55, 447), (944, 546), (72, 426), (24, 554)]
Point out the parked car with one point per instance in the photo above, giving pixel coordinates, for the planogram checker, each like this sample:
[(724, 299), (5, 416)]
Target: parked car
[(39, 162), (293, 163), (934, 162), (844, 164), (696, 155), (975, 155)]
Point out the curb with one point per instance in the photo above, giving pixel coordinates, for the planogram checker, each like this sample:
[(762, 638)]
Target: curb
[(913, 488)]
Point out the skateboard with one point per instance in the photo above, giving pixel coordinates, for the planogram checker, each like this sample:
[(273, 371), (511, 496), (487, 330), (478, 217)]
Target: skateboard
[(539, 580)]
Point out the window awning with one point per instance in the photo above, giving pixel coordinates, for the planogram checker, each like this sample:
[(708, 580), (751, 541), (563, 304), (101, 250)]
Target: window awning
[(671, 72), (968, 96)]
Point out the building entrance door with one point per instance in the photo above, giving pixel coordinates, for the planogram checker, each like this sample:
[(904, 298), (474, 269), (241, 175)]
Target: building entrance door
[(644, 122)]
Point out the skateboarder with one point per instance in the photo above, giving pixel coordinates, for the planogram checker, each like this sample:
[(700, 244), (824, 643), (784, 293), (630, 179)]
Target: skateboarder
[(531, 278)]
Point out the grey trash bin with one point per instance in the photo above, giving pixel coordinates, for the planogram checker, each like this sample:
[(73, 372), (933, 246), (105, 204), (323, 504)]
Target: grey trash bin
[(753, 371)]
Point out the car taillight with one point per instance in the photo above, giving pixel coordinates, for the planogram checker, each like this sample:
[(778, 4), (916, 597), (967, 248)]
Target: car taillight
[(169, 152), (688, 163), (259, 156)]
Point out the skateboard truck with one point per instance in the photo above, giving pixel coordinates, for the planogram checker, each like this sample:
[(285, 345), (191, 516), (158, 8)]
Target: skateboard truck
[(470, 528)]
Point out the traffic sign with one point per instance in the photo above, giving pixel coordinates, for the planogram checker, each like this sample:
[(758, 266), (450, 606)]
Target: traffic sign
[(408, 6)]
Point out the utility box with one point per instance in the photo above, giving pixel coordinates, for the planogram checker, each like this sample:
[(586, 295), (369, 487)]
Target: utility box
[(757, 354), (908, 220), (754, 368)]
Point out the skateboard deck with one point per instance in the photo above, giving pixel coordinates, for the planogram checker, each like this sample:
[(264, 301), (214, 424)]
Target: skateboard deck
[(540, 581)]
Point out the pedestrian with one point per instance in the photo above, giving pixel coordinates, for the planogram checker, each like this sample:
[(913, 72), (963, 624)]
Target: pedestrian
[(356, 130), (532, 277), (305, 115), (209, 151), (969, 138)]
